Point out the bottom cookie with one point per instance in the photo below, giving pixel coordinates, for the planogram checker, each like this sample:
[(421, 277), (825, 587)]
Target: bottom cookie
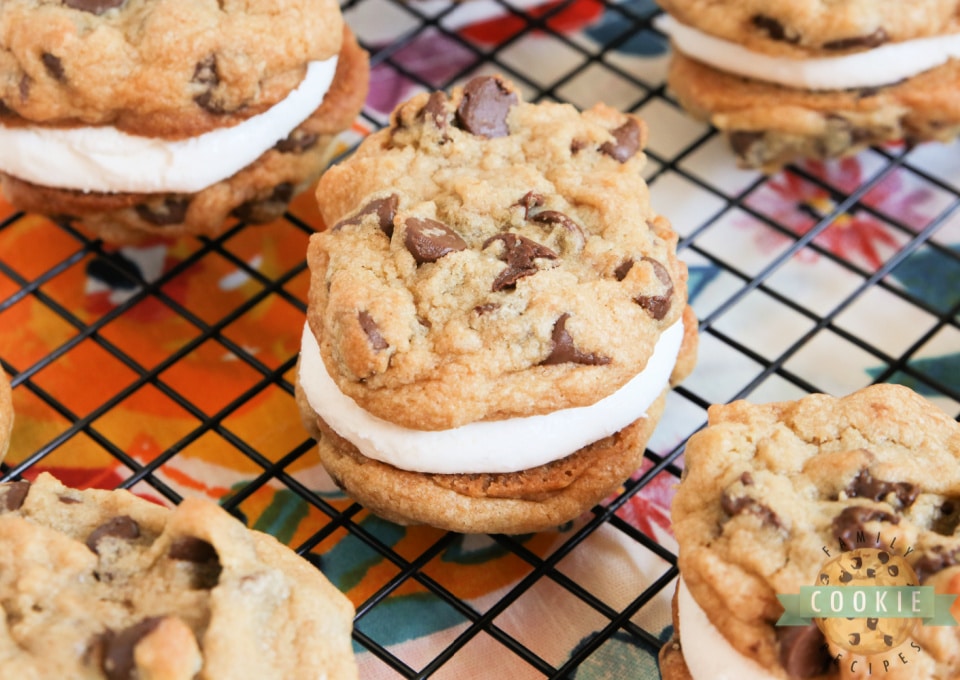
[(521, 502), (769, 125), (103, 584)]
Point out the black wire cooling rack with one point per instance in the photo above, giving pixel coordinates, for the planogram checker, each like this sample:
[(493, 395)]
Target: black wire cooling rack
[(883, 235)]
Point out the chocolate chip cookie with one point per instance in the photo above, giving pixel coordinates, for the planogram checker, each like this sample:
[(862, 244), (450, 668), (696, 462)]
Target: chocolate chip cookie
[(813, 79), (774, 494), (492, 288), (171, 117), (102, 584)]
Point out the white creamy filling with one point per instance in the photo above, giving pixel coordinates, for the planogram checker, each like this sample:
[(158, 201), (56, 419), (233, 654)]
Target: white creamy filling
[(878, 66), (107, 160), (707, 653), (490, 446)]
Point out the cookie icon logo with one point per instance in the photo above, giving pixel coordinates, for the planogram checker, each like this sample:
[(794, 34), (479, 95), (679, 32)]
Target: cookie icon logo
[(862, 570)]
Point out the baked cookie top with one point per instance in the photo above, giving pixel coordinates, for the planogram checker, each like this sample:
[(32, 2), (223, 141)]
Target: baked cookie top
[(801, 28), (771, 492), (103, 584), (489, 258), (166, 68)]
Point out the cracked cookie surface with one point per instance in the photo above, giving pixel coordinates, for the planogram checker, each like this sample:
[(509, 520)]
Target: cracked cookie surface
[(103, 584)]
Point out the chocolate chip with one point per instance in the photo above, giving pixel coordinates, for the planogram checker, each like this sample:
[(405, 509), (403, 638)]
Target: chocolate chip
[(845, 576), (14, 493), (520, 254), (118, 660), (893, 570), (803, 651), (576, 146), (372, 330), (875, 39), (205, 74), (854, 638), (657, 305), (872, 624), (564, 351), (123, 527), (888, 640), (530, 202), (856, 562), (746, 478), (435, 111), (429, 240), (206, 572), (623, 269), (741, 504), (384, 208), (485, 106), (773, 28), (54, 66), (93, 6), (848, 526), (865, 486), (741, 141), (66, 500), (626, 142), (486, 307), (192, 549), (164, 212), (297, 141), (935, 560), (883, 557), (265, 209), (554, 218)]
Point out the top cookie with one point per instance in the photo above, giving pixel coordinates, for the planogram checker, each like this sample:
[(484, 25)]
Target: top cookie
[(798, 28), (103, 584), (771, 492), (490, 258), (165, 68)]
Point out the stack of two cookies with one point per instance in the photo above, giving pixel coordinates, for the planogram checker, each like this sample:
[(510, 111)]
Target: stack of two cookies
[(495, 315), (167, 117)]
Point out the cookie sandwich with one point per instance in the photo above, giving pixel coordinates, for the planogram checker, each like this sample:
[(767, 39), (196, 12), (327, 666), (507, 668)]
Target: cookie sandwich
[(780, 498), (495, 313), (168, 117), (809, 79), (104, 584)]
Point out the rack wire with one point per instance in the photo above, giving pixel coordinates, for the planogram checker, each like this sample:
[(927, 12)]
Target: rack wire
[(881, 235)]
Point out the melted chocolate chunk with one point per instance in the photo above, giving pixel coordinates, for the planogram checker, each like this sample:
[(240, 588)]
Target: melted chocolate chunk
[(741, 141), (384, 208), (54, 66), (623, 269), (520, 254), (948, 520), (875, 39), (123, 527), (935, 560), (192, 549), (170, 210), (564, 351), (435, 111), (848, 526), (774, 29), (372, 330), (530, 202), (555, 217), (205, 74), (735, 506), (657, 305), (14, 493), (93, 6), (265, 209), (803, 651), (485, 106), (118, 662), (429, 240), (626, 142), (865, 486), (297, 141), (486, 307)]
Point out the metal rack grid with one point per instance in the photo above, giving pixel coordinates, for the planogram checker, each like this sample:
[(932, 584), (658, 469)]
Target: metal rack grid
[(871, 294)]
